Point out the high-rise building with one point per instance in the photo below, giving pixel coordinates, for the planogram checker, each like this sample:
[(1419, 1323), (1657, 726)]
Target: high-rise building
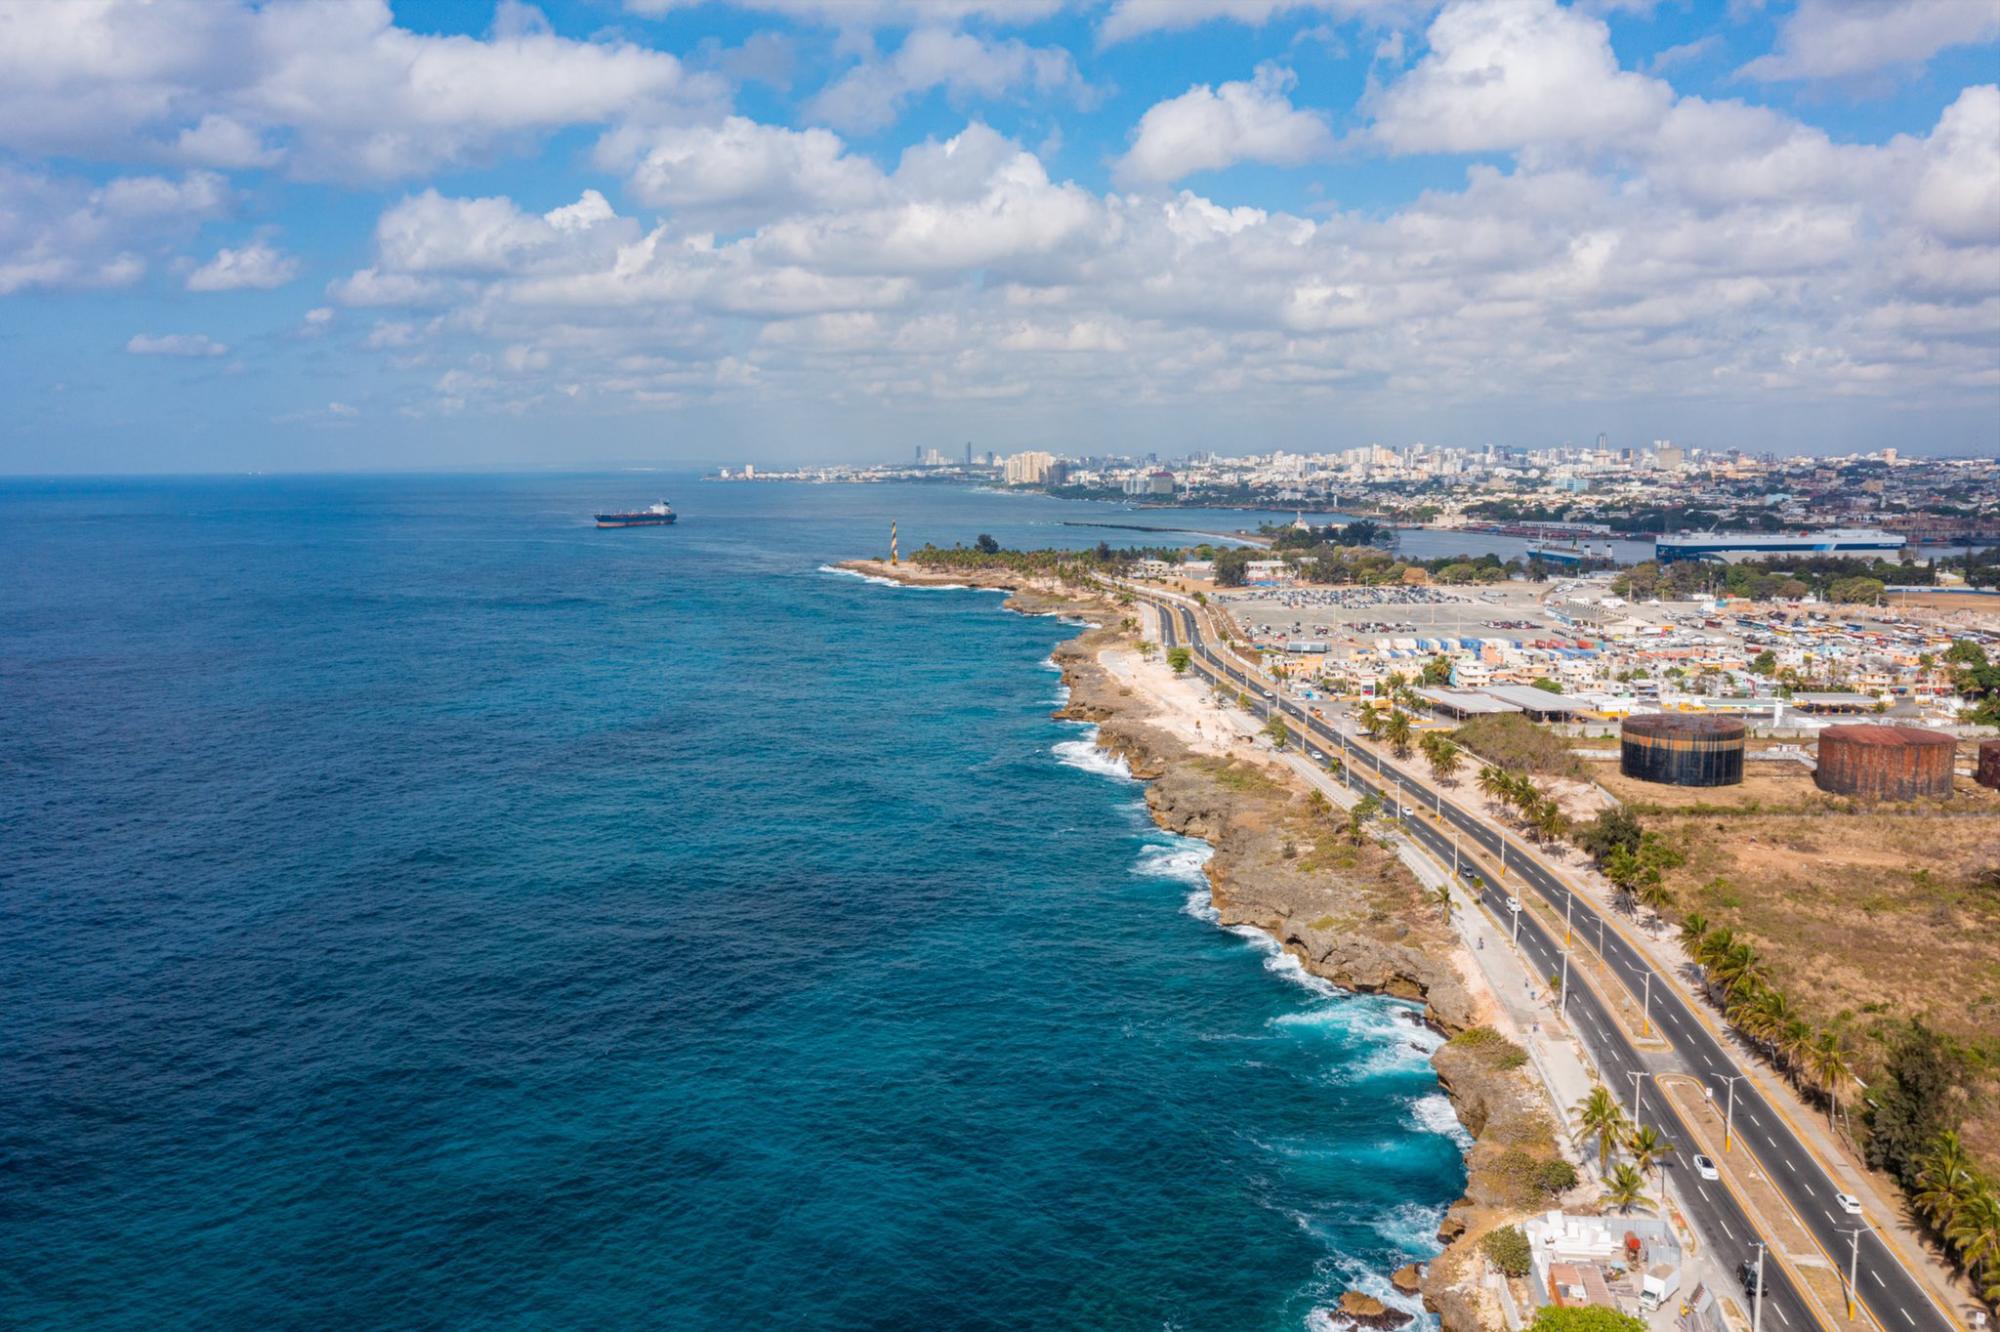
[(1030, 469)]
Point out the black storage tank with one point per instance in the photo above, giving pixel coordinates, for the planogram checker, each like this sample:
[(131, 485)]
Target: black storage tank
[(1680, 749)]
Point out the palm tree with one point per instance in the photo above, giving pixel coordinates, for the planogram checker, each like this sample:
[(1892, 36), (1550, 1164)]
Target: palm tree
[(1831, 1067), (1441, 753), (1655, 894), (1976, 1234), (1548, 821), (1945, 1181), (1626, 1189), (1793, 1040), (1492, 781), (1442, 896), (1693, 926), (1648, 1147), (1600, 1115), (1735, 968), (1317, 804), (1371, 723), (1397, 731)]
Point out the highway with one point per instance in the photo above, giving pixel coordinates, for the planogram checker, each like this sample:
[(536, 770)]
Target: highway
[(1889, 1294)]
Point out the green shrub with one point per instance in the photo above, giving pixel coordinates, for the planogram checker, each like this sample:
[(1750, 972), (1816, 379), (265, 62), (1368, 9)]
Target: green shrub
[(1555, 1177), (1507, 1249)]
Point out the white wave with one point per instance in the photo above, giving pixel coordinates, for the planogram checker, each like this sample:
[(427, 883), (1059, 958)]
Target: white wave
[(1085, 754), (1049, 663), (856, 573), (1201, 905), (1183, 859), (913, 587), (1434, 1114)]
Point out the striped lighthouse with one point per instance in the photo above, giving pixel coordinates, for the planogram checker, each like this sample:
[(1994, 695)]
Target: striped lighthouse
[(893, 558)]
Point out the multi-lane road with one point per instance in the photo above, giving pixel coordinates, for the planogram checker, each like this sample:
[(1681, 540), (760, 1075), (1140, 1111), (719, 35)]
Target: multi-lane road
[(1888, 1292)]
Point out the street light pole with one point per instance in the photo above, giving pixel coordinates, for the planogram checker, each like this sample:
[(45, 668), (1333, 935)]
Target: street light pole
[(1646, 1010), (1757, 1295), (1638, 1081), (1562, 1001), (1569, 900), (1853, 1266), (1729, 1110)]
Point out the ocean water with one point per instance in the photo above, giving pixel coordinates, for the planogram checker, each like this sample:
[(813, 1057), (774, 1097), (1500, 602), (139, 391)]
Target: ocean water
[(420, 909)]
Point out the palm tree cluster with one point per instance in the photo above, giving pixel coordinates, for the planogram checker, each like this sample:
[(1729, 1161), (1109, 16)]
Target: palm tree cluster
[(1600, 1116), (1537, 810), (1394, 726), (1442, 754), (1813, 1058), (1963, 1207)]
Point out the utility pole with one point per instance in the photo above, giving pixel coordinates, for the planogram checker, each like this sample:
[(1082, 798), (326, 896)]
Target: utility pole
[(1638, 1081), (1729, 1110)]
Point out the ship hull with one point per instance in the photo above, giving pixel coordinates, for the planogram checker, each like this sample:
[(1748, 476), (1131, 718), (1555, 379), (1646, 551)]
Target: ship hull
[(635, 519)]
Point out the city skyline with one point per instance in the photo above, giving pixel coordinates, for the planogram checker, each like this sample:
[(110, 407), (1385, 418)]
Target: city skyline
[(363, 236)]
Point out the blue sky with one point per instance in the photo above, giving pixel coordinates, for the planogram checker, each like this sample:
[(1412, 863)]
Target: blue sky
[(331, 235)]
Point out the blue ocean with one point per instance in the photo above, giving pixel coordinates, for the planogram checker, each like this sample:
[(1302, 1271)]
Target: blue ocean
[(424, 910)]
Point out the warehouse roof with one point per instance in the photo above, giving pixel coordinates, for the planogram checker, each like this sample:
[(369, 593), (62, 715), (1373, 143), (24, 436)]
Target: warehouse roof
[(1467, 704), (1529, 699)]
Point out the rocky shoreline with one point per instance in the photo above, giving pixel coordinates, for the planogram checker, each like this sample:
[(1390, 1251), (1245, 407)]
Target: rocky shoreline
[(1350, 912)]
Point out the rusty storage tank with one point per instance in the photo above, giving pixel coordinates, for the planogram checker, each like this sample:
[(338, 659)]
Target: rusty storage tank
[(1681, 750), (1885, 762), (1988, 771)]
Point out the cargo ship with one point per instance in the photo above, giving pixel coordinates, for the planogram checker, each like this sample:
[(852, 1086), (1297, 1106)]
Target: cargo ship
[(659, 515)]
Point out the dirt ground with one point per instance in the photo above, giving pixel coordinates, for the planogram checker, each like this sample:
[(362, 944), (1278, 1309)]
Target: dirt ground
[(1864, 917)]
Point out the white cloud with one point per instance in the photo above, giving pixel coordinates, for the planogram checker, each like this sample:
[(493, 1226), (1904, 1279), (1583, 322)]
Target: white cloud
[(871, 95), (875, 13), (1840, 39), (256, 265), (62, 232), (742, 168), (1508, 74), (175, 344), (1730, 252), (1136, 18), (1958, 193), (1206, 128), (335, 89)]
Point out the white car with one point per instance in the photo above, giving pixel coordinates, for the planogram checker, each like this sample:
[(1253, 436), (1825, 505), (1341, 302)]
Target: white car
[(1848, 1203), (1705, 1167), (1513, 904)]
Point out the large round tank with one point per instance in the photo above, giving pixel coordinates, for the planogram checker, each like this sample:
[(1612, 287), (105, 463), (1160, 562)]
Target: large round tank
[(1885, 762), (1988, 771), (1678, 749)]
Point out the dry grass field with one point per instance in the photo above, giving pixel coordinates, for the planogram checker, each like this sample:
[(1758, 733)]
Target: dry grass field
[(1866, 917)]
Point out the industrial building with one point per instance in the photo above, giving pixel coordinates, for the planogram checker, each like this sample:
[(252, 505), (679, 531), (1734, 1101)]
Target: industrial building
[(1681, 749), (1885, 762)]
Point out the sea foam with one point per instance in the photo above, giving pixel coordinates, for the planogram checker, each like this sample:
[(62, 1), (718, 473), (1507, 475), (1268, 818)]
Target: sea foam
[(1083, 753)]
